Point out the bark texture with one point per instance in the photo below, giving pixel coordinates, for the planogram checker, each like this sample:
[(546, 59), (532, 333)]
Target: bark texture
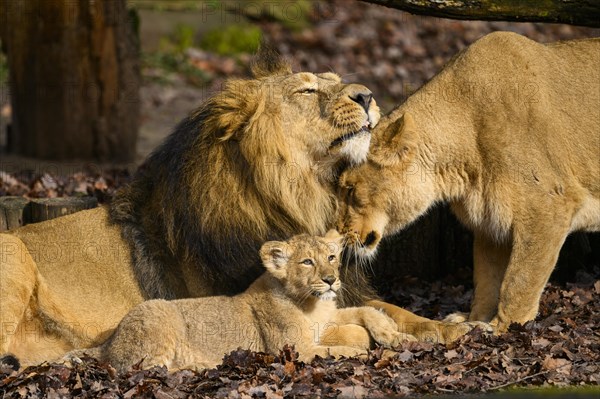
[(573, 12), (74, 78)]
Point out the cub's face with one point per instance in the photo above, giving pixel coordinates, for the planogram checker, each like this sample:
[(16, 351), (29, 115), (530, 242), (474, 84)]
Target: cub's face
[(308, 266)]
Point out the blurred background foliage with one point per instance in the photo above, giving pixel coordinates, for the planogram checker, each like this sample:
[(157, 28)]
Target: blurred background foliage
[(189, 47), (232, 39), (227, 29)]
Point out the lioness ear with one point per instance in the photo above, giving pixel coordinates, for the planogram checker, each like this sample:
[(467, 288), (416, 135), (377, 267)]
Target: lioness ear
[(397, 142), (275, 256), (268, 62)]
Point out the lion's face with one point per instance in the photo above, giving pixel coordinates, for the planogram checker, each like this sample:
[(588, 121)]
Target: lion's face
[(302, 119), (307, 266), (273, 146), (331, 118)]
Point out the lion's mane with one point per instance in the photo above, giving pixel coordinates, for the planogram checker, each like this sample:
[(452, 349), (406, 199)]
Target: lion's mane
[(203, 200)]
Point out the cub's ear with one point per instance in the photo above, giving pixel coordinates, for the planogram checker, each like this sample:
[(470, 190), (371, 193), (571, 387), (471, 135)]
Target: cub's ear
[(397, 143), (268, 62), (334, 240), (275, 256)]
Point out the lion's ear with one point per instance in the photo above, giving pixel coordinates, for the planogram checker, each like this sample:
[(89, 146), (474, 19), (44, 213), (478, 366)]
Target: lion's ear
[(268, 62), (234, 106), (275, 256)]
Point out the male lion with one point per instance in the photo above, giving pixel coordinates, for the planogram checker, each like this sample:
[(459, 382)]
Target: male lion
[(292, 303), (256, 162), (508, 133)]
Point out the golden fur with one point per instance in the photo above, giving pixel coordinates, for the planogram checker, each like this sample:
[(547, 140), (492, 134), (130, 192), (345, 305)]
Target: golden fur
[(508, 133), (256, 162), (292, 303)]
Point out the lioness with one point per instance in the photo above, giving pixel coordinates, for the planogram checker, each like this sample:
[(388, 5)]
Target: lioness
[(508, 133), (292, 303), (258, 161)]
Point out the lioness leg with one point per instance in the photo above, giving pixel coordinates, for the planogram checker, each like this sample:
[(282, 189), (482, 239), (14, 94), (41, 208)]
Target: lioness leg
[(380, 326), (17, 282), (422, 328), (489, 262), (336, 334), (534, 254)]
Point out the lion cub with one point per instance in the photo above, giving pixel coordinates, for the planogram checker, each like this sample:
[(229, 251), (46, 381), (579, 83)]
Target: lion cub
[(292, 303)]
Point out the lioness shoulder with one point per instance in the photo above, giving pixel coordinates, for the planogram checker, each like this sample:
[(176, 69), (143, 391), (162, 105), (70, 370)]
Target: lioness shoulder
[(293, 302)]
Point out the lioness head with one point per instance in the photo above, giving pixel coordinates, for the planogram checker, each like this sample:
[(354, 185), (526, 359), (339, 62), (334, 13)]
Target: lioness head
[(392, 189), (307, 266)]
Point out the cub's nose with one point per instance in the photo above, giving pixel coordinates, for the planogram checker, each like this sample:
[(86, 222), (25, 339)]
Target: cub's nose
[(329, 279), (363, 99)]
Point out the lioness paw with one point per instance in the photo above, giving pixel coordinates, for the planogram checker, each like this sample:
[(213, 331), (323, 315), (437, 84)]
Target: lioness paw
[(391, 338), (487, 327), (457, 317)]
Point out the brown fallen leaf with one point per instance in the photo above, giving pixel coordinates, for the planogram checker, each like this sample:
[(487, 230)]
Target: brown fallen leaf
[(562, 366)]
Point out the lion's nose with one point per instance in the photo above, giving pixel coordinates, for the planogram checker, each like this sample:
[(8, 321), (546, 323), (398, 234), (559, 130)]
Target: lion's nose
[(370, 239), (329, 279), (363, 99)]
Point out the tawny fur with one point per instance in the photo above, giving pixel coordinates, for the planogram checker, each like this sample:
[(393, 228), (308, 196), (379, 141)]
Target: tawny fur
[(292, 303), (256, 162), (509, 134)]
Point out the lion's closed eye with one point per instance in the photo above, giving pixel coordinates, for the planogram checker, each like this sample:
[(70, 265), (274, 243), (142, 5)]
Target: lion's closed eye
[(307, 91)]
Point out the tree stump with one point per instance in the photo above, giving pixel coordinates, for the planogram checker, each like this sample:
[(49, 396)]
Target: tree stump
[(49, 208), (13, 212)]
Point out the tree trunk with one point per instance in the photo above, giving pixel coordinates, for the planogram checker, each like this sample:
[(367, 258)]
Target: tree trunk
[(573, 12), (74, 78)]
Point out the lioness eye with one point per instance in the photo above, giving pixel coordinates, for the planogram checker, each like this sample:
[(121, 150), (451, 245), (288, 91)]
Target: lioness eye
[(331, 258), (308, 262)]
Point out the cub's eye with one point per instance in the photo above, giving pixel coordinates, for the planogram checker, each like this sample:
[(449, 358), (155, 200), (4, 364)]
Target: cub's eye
[(308, 262), (331, 258)]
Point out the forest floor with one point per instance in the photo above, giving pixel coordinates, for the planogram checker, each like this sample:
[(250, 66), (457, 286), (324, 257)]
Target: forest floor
[(393, 53), (559, 350)]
